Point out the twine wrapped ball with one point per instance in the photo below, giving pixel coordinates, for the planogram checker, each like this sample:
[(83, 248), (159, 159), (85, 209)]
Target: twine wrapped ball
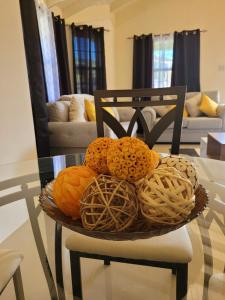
[(68, 189), (166, 198), (108, 204), (183, 165), (130, 159), (96, 155)]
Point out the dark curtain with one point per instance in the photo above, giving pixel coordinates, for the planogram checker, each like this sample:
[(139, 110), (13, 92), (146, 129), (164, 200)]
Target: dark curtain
[(88, 59), (142, 61), (62, 55), (186, 60), (35, 70)]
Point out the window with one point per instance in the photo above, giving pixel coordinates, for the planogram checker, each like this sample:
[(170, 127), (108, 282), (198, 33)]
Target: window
[(162, 60), (85, 61), (89, 59)]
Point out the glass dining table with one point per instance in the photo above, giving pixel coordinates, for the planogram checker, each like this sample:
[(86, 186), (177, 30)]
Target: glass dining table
[(46, 270)]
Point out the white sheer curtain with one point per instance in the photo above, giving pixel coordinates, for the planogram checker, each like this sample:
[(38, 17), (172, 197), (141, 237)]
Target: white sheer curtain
[(162, 60), (47, 38)]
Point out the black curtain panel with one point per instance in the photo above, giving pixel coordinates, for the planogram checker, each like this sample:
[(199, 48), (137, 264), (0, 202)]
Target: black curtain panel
[(142, 61), (88, 59), (186, 60), (35, 70), (62, 55)]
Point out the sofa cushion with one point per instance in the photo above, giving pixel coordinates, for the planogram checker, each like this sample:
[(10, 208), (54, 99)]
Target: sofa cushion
[(58, 111), (77, 111), (125, 113), (192, 105), (79, 134), (220, 110), (79, 97), (184, 123), (204, 123)]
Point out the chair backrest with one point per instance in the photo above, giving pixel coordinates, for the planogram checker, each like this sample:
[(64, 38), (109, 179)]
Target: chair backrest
[(139, 99)]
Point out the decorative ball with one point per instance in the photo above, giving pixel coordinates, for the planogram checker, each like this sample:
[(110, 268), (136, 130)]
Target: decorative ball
[(68, 189), (108, 204), (130, 159), (183, 165), (166, 197), (96, 155)]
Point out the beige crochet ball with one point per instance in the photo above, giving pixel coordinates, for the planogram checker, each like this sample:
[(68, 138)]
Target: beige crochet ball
[(166, 197), (183, 165)]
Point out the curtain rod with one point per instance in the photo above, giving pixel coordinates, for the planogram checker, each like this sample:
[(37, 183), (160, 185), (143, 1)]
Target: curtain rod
[(164, 34), (107, 30), (68, 25)]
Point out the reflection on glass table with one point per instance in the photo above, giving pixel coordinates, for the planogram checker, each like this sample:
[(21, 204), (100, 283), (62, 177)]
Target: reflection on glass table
[(20, 185)]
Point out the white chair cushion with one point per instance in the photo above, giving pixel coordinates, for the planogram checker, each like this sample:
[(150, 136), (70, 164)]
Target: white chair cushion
[(171, 247), (9, 262)]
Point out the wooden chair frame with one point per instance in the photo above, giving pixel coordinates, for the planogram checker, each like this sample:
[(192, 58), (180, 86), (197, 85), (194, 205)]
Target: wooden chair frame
[(174, 115), (141, 98)]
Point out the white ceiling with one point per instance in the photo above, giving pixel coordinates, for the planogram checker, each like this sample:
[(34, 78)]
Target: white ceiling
[(69, 7)]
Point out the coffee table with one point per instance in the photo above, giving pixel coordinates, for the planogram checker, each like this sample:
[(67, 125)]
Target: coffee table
[(216, 145)]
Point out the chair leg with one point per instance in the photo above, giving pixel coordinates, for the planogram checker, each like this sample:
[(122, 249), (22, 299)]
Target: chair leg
[(76, 275), (17, 280), (106, 261), (182, 282)]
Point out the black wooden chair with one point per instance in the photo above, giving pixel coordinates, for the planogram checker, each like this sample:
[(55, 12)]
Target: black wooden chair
[(141, 99), (173, 250)]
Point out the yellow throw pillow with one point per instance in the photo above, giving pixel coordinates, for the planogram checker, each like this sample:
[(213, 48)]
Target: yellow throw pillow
[(208, 106), (185, 112), (90, 110)]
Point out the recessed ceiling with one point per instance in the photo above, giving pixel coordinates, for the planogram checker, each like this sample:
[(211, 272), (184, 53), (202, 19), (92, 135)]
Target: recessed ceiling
[(69, 7)]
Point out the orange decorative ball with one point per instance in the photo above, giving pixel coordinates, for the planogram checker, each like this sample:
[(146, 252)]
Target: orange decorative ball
[(96, 155), (68, 189), (130, 159)]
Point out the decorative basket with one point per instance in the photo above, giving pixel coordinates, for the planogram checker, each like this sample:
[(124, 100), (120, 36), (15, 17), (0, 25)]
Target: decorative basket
[(140, 230)]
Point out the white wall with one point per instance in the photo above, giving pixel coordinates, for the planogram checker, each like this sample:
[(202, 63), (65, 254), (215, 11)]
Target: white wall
[(162, 16), (16, 122)]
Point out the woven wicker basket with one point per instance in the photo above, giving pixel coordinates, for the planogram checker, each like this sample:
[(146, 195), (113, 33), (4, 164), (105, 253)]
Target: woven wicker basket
[(140, 230)]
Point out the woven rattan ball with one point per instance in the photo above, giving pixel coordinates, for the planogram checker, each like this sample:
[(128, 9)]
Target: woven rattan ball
[(130, 159), (165, 197), (183, 165), (108, 204), (96, 155)]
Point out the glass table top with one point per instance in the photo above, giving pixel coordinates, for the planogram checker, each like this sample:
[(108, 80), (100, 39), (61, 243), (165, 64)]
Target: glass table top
[(24, 180)]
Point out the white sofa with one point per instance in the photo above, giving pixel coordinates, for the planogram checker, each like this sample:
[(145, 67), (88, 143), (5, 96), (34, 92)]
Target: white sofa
[(72, 137), (193, 128)]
